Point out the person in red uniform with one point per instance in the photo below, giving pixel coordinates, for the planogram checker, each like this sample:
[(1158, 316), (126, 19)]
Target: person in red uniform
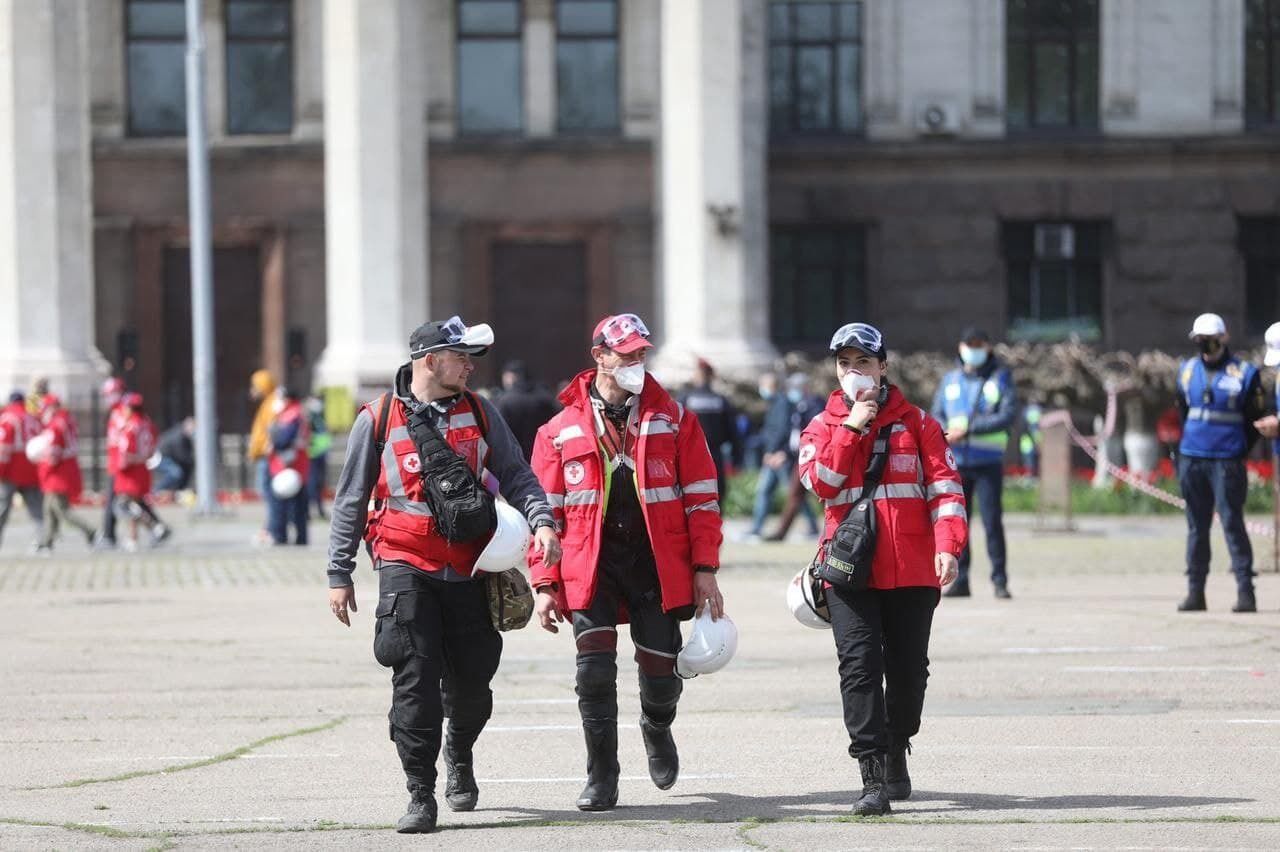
[(134, 441), (17, 473), (632, 484), (882, 633), (288, 443), (59, 472)]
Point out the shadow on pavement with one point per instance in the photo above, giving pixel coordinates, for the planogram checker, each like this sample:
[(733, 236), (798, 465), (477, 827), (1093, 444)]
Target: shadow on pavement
[(986, 802)]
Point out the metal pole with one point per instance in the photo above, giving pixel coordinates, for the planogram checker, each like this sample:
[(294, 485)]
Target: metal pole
[(201, 270)]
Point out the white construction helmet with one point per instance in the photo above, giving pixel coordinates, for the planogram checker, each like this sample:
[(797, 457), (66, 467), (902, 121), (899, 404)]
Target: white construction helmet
[(711, 645), (509, 544), (807, 601), (37, 448), (286, 484)]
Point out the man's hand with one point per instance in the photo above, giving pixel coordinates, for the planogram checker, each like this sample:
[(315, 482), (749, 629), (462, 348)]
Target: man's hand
[(775, 460), (956, 433), (340, 599), (547, 545), (548, 610), (1268, 427), (947, 568), (864, 410), (707, 590)]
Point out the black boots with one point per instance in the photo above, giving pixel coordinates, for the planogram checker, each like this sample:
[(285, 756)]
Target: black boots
[(460, 790), (897, 783), (1245, 601), (1002, 592), (664, 761), (1194, 601), (958, 589), (420, 818), (601, 792), (874, 800)]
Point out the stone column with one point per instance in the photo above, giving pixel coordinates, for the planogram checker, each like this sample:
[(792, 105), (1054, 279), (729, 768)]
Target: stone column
[(712, 188), (539, 68), (46, 230), (376, 275)]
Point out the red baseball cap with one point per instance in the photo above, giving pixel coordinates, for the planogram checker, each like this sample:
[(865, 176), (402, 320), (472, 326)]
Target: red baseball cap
[(623, 333)]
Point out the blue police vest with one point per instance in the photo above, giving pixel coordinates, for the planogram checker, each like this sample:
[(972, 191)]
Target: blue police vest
[(1215, 399), (965, 396)]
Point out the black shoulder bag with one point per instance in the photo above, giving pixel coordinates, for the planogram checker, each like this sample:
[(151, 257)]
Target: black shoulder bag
[(462, 507), (847, 563)]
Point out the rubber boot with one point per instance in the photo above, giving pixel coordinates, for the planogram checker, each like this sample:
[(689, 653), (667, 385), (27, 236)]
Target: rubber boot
[(460, 790), (897, 783), (601, 792), (664, 761), (1194, 602), (874, 800), (420, 818), (1245, 601)]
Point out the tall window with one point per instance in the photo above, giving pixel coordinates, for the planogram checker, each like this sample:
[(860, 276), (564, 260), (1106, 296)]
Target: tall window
[(586, 66), (818, 281), (1055, 280), (259, 66), (1262, 62), (815, 67), (1052, 64), (489, 77), (1260, 247), (155, 42)]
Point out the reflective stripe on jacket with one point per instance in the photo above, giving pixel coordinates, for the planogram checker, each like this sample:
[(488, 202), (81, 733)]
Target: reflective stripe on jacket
[(983, 403), (1215, 400), (920, 502), (675, 478)]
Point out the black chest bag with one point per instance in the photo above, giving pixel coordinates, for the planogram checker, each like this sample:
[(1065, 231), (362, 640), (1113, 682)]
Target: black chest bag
[(847, 563)]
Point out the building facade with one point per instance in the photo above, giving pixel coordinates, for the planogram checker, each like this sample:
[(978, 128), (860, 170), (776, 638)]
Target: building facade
[(745, 174)]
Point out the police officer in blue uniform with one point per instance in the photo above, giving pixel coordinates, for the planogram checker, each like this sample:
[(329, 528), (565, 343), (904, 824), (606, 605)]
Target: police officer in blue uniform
[(976, 404), (1220, 398)]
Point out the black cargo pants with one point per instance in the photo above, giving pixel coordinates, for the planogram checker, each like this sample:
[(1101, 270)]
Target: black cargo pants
[(443, 651)]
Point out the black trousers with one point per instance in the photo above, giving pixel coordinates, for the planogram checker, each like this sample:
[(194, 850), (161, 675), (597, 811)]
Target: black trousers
[(628, 577), (986, 483), (443, 651), (1221, 484), (882, 642)]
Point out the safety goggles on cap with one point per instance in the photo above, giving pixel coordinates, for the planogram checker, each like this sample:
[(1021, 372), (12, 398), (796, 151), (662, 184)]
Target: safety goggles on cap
[(859, 335), (452, 333), (622, 333)]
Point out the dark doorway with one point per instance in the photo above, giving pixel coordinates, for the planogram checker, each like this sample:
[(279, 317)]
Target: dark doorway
[(237, 323), (539, 311)]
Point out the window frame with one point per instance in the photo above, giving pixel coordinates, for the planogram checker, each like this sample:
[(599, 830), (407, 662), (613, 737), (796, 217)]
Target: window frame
[(288, 40), (1071, 39), (793, 41), (616, 37), (1016, 253), (849, 302), (130, 129), (460, 37), (1271, 35)]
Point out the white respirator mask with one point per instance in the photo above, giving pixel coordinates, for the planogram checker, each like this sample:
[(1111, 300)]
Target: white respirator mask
[(855, 383), (630, 378)]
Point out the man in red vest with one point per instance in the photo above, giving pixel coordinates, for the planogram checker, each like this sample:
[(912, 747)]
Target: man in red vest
[(17, 473), (633, 486), (433, 627)]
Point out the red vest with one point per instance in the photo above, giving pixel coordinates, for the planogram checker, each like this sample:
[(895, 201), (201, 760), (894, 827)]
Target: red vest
[(16, 428), (134, 442), (400, 528), (60, 471), (117, 417), (296, 455)]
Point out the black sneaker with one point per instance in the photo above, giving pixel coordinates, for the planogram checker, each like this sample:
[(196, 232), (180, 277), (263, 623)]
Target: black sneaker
[(420, 818), (1245, 602), (460, 790), (1002, 592), (1194, 602)]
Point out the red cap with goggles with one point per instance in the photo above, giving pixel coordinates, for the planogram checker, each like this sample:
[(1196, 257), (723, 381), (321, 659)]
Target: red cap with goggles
[(623, 333)]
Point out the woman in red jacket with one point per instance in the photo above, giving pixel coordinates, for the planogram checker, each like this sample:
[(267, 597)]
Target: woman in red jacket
[(882, 633), (59, 472)]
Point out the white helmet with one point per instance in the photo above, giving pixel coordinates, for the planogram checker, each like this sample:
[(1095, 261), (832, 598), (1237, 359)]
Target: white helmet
[(808, 601), (286, 484), (37, 448), (509, 544), (711, 645)]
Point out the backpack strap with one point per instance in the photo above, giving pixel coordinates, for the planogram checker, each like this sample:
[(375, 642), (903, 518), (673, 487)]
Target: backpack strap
[(380, 424), (482, 419)]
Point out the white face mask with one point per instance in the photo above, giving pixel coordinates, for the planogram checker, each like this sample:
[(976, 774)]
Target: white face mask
[(854, 383), (630, 378)]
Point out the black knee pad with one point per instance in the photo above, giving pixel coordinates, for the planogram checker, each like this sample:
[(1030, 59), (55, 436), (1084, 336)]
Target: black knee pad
[(660, 695), (597, 675)]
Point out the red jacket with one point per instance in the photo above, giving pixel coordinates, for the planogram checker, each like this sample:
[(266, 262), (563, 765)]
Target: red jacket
[(295, 455), (134, 441), (920, 502), (675, 478), (16, 428), (116, 418), (60, 469), (401, 528)]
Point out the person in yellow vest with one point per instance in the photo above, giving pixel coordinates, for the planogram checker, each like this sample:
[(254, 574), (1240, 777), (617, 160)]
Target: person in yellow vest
[(433, 625)]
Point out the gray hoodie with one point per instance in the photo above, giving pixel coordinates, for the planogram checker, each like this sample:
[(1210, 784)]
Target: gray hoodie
[(349, 511)]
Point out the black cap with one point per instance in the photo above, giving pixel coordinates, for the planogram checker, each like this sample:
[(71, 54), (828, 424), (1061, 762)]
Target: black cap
[(17, 396), (974, 333), (433, 336)]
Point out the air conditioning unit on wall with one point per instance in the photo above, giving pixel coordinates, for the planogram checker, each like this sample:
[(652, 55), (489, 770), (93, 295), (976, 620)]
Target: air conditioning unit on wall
[(937, 116)]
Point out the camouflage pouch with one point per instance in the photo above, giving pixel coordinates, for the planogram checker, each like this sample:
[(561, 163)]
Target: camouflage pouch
[(510, 599)]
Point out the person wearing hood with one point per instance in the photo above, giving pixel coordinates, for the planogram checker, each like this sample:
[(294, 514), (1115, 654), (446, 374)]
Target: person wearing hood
[(433, 627), (631, 478), (978, 403), (262, 390), (1222, 404), (881, 632)]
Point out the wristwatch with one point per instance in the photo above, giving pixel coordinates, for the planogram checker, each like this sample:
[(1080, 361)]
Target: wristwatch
[(544, 522)]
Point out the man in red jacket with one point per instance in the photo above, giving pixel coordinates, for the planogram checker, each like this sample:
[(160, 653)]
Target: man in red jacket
[(133, 442), (59, 472), (17, 473), (882, 633), (633, 488)]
